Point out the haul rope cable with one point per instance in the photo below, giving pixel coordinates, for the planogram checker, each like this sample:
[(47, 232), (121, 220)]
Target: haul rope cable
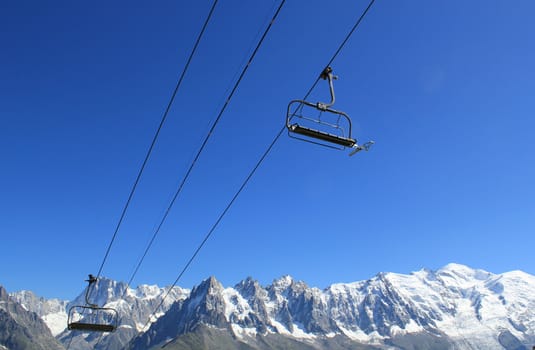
[(210, 132), (202, 147), (164, 117), (177, 193), (205, 141), (262, 158), (156, 135)]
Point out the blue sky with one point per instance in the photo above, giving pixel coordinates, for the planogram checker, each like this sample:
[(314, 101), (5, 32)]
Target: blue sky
[(444, 88)]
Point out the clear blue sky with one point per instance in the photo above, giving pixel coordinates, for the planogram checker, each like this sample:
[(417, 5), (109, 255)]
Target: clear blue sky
[(446, 89)]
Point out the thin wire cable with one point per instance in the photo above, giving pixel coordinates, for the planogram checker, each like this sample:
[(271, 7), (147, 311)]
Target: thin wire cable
[(214, 226), (164, 117), (205, 141), (357, 23), (253, 171), (149, 152)]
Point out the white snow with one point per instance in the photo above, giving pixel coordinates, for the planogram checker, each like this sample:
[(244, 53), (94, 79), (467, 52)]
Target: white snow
[(470, 306), (279, 326), (243, 332), (56, 322), (411, 327), (300, 332), (235, 304), (358, 335)]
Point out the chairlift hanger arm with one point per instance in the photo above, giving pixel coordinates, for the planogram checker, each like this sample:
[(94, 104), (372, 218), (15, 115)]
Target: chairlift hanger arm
[(327, 74), (91, 280)]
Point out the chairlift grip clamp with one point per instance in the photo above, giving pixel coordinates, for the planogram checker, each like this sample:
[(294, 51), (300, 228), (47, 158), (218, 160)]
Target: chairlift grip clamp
[(327, 73)]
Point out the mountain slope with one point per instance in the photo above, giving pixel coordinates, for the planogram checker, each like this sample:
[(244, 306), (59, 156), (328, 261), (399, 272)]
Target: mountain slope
[(134, 306), (21, 329), (454, 307), (52, 311)]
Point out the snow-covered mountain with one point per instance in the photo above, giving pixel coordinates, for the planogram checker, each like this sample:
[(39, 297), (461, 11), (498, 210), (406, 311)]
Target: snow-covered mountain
[(455, 307), (22, 329), (52, 311), (134, 306)]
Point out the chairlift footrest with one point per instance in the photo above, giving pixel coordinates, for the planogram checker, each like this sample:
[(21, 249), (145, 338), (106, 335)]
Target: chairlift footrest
[(366, 147)]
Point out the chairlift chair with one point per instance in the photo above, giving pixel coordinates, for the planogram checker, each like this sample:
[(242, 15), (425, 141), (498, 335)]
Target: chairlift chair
[(320, 124), (91, 317)]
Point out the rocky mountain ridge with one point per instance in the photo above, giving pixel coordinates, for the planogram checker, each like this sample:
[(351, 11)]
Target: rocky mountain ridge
[(134, 306), (455, 307), (51, 311), (22, 329)]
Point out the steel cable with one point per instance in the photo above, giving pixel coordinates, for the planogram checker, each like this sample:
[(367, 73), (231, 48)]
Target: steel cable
[(151, 147), (253, 171)]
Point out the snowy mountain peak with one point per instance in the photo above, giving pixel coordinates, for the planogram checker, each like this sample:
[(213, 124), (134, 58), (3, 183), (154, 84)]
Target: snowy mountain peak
[(249, 288), (283, 282), (463, 272), (209, 286), (519, 276), (453, 307), (101, 292), (135, 309)]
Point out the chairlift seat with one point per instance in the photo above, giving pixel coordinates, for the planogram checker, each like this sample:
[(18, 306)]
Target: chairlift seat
[(321, 135), (91, 327), (330, 127)]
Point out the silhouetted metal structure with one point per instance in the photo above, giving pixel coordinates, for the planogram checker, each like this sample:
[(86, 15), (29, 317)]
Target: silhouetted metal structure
[(90, 317)]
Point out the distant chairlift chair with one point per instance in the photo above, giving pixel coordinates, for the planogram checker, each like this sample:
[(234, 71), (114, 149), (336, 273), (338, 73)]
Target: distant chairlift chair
[(332, 129), (91, 317)]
